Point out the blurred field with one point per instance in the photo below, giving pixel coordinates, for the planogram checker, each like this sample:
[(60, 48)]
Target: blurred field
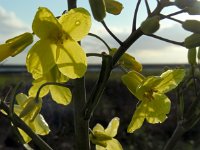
[(116, 101)]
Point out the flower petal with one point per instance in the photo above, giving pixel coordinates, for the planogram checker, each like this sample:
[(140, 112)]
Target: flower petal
[(72, 60), (138, 118), (113, 145), (76, 23), (45, 25), (61, 95), (40, 58), (157, 108), (36, 85), (40, 125), (132, 80), (112, 128), (170, 80), (21, 99)]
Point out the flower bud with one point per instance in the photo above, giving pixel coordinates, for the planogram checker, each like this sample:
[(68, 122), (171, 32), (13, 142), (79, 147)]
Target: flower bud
[(192, 41), (150, 25), (113, 7), (192, 25), (194, 9), (98, 9), (15, 45), (192, 56)]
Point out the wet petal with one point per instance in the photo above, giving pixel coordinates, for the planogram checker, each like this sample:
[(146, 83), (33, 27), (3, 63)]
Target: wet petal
[(76, 23)]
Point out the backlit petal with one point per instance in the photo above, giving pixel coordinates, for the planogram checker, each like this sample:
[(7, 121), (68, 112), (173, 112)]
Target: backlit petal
[(72, 59), (76, 23), (45, 25), (40, 58)]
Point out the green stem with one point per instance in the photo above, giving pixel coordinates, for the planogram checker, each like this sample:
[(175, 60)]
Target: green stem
[(135, 16), (166, 40), (110, 32), (21, 124), (178, 132), (79, 97), (99, 87), (81, 125)]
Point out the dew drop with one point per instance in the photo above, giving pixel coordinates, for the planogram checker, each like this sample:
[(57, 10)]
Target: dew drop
[(77, 23)]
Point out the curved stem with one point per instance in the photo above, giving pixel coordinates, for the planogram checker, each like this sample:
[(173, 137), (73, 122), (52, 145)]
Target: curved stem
[(50, 83), (98, 37), (110, 32), (147, 7), (135, 16), (166, 40)]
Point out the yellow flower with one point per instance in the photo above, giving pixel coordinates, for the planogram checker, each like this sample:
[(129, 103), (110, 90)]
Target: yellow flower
[(15, 45), (104, 138), (37, 124), (61, 95), (154, 104), (58, 44)]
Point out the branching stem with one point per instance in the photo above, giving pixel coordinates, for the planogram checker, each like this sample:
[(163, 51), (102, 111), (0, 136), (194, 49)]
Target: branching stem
[(110, 32)]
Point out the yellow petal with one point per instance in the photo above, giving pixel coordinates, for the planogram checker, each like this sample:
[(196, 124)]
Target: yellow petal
[(112, 128), (72, 59), (61, 95), (45, 25), (36, 85), (40, 58), (113, 145), (76, 23)]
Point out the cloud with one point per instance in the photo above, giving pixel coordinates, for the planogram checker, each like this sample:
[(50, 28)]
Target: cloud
[(146, 49), (10, 25)]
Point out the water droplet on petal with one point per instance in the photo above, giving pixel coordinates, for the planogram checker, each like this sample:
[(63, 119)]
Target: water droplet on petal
[(77, 23)]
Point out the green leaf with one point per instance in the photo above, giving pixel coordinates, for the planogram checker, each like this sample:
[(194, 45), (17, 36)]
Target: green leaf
[(76, 23), (61, 95), (113, 7), (112, 128), (170, 80)]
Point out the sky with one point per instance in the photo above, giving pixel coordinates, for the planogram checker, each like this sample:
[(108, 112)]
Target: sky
[(16, 18)]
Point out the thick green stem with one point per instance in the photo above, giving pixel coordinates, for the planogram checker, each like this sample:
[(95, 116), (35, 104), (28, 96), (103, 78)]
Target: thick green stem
[(79, 97), (178, 132), (81, 125)]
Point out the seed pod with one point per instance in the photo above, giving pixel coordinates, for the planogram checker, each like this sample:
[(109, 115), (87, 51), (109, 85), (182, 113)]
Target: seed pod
[(98, 9), (192, 25), (150, 25), (192, 53), (192, 41)]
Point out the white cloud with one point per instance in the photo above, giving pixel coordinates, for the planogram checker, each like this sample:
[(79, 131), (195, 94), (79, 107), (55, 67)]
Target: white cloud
[(10, 25)]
